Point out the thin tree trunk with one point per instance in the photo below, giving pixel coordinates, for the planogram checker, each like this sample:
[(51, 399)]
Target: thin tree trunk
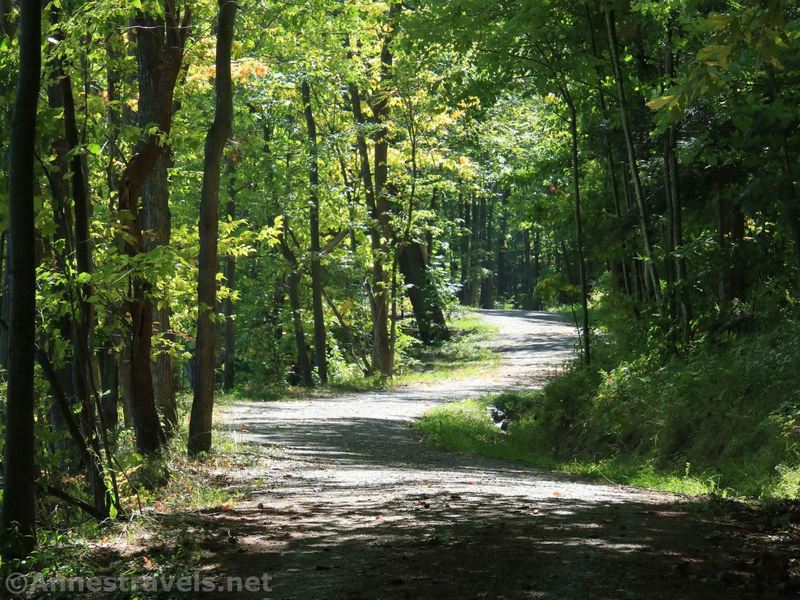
[(19, 502), (621, 265), (293, 289), (676, 206), (378, 292), (537, 254), (203, 404), (228, 307), (83, 369), (502, 248), (320, 350), (634, 166), (573, 129), (466, 239)]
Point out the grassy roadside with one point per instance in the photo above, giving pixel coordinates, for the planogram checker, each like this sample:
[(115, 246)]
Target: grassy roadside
[(463, 355), (723, 418), (465, 427)]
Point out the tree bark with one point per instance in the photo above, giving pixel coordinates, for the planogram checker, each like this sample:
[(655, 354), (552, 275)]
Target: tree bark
[(149, 434), (320, 350), (378, 292), (634, 165), (158, 225), (428, 313), (19, 502), (84, 384), (573, 129), (465, 237), (293, 289), (228, 307), (203, 403)]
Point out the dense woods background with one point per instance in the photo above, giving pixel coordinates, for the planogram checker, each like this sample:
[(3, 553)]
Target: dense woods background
[(247, 196)]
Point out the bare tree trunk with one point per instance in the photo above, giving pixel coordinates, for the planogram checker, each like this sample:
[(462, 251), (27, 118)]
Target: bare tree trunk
[(634, 166), (228, 308), (503, 286), (573, 129), (465, 247), (7, 30), (19, 503), (158, 226), (293, 289), (428, 314), (203, 404), (320, 350), (156, 218), (149, 434)]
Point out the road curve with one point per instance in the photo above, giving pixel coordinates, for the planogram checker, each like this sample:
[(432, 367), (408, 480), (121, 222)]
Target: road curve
[(359, 507)]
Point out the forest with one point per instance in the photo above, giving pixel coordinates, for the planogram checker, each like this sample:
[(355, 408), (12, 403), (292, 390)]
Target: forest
[(209, 208)]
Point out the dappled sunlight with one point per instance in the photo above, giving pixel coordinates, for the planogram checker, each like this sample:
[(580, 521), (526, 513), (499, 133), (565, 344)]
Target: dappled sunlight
[(356, 506)]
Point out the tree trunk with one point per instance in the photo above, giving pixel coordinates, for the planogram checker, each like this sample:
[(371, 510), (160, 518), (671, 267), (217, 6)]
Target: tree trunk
[(486, 277), (228, 307), (502, 248), (378, 292), (83, 368), (537, 270), (634, 166), (19, 502), (149, 434), (158, 227), (217, 138), (320, 350), (293, 289), (465, 234), (573, 129), (422, 293)]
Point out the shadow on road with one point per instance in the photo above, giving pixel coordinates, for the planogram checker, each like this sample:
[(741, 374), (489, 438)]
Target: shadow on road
[(359, 508)]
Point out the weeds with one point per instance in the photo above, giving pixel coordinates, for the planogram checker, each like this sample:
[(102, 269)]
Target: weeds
[(724, 418)]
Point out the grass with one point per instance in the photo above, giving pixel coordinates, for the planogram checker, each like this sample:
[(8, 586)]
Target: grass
[(465, 427), (462, 356), (723, 417)]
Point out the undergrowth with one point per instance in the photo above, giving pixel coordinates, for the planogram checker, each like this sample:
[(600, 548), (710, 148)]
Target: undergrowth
[(160, 513), (461, 356), (722, 417)]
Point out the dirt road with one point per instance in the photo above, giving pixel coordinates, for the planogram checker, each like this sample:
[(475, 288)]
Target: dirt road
[(359, 507)]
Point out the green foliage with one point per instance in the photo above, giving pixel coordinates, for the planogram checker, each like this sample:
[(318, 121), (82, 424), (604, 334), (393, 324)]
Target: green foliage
[(724, 417)]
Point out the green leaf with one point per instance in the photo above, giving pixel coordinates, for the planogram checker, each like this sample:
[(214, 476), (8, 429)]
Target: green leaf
[(661, 102)]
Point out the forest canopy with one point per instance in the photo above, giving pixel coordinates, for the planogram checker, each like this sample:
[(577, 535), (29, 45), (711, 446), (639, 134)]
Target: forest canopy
[(202, 197)]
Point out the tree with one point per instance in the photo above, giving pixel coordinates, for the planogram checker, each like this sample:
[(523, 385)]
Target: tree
[(217, 138), (320, 350), (19, 503), (149, 433)]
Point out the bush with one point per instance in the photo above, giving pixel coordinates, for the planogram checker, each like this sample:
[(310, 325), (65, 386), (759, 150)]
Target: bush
[(725, 414)]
